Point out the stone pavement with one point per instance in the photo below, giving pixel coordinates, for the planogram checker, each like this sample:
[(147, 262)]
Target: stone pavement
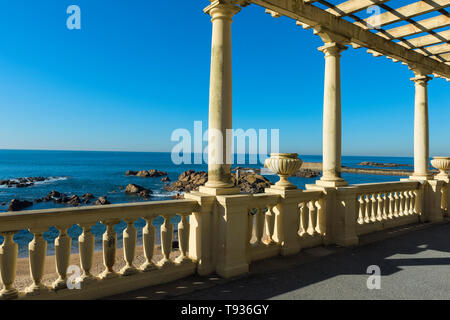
[(414, 263)]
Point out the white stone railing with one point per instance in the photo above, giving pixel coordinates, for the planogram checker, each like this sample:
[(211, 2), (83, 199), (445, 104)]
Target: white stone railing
[(109, 282), (268, 227), (220, 234)]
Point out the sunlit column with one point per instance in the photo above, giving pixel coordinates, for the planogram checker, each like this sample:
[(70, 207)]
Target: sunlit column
[(220, 104), (332, 132), (421, 131)]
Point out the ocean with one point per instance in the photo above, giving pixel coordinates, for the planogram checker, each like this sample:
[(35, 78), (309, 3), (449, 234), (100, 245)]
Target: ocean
[(103, 174)]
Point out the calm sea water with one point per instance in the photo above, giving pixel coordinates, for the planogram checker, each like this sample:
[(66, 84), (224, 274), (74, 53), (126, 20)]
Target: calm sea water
[(103, 173)]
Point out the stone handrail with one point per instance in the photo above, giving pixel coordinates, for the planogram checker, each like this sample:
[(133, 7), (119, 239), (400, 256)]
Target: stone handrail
[(383, 201), (38, 222)]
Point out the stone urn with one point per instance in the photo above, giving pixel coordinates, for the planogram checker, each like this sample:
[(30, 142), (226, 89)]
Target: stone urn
[(284, 165), (442, 164)]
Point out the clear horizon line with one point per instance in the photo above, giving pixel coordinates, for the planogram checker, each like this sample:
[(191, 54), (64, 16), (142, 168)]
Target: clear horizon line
[(134, 151)]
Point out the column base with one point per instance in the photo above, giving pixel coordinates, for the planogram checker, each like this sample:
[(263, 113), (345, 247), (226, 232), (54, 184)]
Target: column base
[(332, 183), (219, 191), (420, 177)]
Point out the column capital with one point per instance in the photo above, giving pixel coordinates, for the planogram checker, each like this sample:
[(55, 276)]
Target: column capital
[(222, 9), (332, 48), (421, 79)]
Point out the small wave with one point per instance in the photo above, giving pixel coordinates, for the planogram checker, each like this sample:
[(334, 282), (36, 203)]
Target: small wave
[(48, 180), (167, 194), (51, 180)]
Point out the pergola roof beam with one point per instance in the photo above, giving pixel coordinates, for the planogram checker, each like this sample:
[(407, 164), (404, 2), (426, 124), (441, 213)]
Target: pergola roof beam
[(419, 26), (318, 18), (408, 11), (352, 6)]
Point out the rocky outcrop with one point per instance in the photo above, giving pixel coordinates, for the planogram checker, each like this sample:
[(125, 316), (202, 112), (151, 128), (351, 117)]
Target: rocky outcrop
[(17, 205), (22, 182), (102, 201), (191, 180), (138, 190), (307, 173), (165, 179), (147, 173), (188, 181), (251, 183), (87, 197)]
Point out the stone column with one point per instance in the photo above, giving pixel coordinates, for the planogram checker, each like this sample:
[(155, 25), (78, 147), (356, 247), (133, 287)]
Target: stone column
[(220, 103), (332, 122), (421, 135)]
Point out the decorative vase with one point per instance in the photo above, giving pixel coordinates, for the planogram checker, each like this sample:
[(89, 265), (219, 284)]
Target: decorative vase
[(284, 165), (442, 164)]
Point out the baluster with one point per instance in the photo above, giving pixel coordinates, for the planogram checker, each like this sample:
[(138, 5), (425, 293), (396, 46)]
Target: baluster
[(368, 208), (407, 203), (373, 199), (321, 221), (183, 238), (391, 206), (380, 207), (259, 226), (386, 202), (62, 257), (86, 241), (166, 240), (109, 249), (129, 248), (37, 252), (270, 225), (414, 201), (411, 202), (360, 219), (251, 226), (149, 236), (396, 205), (304, 215), (362, 209), (402, 203), (312, 218), (8, 266)]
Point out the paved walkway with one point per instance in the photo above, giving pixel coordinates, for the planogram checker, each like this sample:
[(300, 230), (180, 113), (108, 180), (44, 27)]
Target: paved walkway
[(414, 265)]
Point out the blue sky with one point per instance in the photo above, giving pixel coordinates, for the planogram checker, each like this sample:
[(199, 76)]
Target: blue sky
[(138, 70)]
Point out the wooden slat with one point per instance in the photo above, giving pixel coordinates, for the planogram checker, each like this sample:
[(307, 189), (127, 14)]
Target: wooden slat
[(440, 48), (427, 24), (352, 6), (445, 56), (430, 39), (314, 16), (409, 11)]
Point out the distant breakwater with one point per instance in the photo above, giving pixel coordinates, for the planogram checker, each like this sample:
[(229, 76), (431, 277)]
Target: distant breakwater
[(377, 171)]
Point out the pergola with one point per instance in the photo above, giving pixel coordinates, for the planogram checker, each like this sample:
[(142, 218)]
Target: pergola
[(418, 39)]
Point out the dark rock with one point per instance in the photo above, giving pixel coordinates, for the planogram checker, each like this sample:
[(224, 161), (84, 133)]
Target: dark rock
[(3, 203), (102, 201), (307, 173), (74, 201), (251, 183), (38, 200), (139, 190), (188, 181), (146, 173), (143, 174), (165, 179), (87, 196), (17, 205)]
